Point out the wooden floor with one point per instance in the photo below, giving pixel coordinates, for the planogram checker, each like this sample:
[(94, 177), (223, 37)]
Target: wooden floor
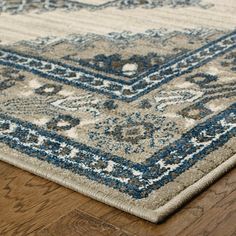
[(30, 205)]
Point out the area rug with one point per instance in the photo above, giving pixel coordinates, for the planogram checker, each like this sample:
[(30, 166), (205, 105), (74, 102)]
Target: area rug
[(130, 102)]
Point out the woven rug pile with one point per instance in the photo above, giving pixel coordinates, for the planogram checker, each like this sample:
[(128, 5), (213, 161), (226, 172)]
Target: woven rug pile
[(132, 103)]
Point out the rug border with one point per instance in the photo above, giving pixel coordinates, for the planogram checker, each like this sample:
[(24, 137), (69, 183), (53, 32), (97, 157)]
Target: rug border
[(155, 216)]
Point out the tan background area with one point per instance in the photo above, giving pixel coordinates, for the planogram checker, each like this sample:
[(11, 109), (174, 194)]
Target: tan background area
[(60, 23)]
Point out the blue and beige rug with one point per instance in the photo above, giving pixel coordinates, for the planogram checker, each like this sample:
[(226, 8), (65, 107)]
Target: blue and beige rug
[(131, 102)]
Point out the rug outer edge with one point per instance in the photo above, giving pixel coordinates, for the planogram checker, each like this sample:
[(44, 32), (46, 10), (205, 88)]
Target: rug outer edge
[(155, 216)]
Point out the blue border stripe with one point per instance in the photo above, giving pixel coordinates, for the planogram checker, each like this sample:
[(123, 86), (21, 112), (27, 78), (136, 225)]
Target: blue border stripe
[(177, 152)]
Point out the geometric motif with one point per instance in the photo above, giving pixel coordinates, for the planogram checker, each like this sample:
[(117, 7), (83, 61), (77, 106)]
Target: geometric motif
[(119, 89)]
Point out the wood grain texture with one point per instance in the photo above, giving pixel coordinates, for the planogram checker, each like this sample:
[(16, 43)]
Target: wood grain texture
[(77, 223), (219, 220), (30, 205)]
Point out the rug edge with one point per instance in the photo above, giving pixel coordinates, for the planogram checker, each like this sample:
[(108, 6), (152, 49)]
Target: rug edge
[(155, 216)]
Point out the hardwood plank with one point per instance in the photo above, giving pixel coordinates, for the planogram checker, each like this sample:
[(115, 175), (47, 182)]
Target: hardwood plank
[(77, 223), (234, 234), (220, 220), (28, 202)]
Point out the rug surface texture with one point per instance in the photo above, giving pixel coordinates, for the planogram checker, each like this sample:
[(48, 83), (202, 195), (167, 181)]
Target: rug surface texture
[(131, 102)]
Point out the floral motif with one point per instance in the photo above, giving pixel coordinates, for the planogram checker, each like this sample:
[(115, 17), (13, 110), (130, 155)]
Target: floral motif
[(9, 78), (48, 89), (63, 122), (201, 79), (230, 61), (133, 133), (124, 67)]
